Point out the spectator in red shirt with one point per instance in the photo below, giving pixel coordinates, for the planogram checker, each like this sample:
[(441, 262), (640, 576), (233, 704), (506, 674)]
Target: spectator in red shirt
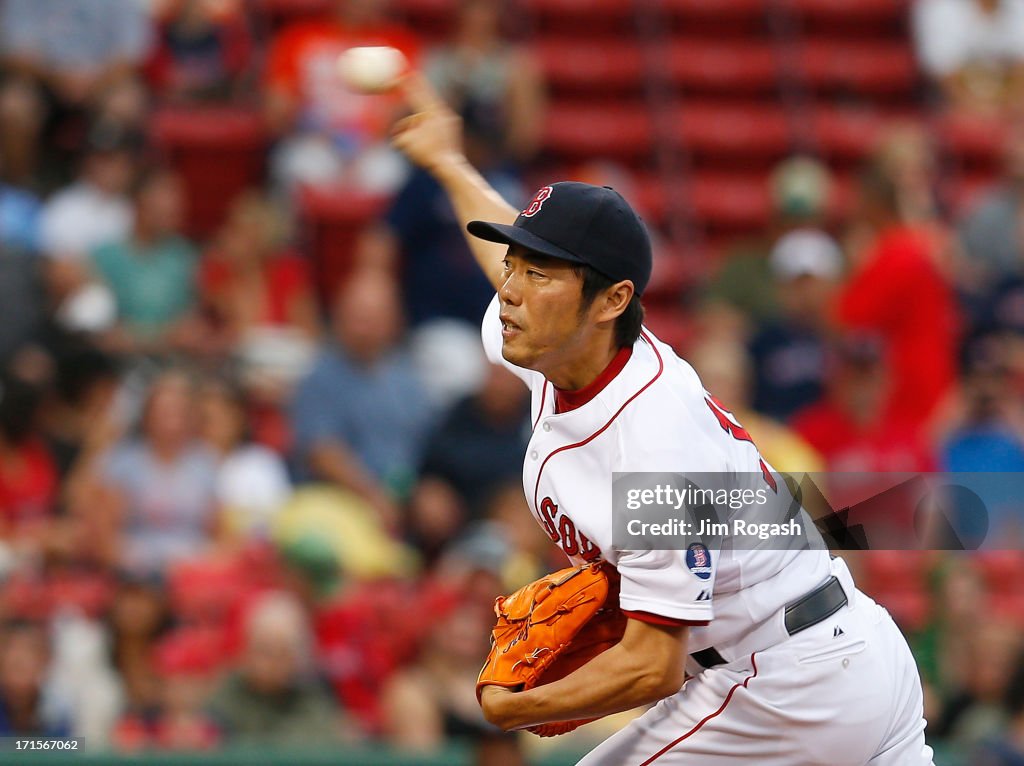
[(431, 700), (896, 291), (850, 427), (869, 457), (28, 476), (250, 280), (336, 134), (258, 295), (186, 662)]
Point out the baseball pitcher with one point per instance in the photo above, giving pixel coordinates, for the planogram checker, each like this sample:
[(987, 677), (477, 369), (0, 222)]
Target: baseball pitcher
[(752, 655)]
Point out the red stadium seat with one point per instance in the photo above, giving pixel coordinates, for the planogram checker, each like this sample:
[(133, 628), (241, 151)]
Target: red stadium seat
[(332, 221), (730, 201), (433, 20), (698, 64), (432, 7), (888, 571), (974, 141), (650, 198), (671, 324), (690, 13), (673, 270), (850, 134), (876, 68), (435, 9), (644, 190), (279, 13), (581, 16), (740, 131), (595, 66), (584, 130), (1003, 571), (909, 608), (846, 16), (219, 151)]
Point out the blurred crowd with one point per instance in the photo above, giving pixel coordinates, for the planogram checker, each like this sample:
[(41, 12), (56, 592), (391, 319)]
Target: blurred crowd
[(234, 511)]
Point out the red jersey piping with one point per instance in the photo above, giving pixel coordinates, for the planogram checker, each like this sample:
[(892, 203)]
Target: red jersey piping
[(602, 429)]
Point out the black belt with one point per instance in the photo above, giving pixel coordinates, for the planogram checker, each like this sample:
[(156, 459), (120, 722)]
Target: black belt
[(810, 609)]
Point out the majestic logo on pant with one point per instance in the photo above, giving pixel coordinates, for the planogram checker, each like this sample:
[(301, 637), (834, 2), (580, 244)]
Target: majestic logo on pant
[(562, 530)]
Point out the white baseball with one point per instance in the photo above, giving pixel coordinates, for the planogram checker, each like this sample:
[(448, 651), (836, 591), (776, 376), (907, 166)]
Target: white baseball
[(371, 69)]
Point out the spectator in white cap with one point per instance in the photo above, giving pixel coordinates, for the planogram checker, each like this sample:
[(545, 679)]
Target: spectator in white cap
[(800, 190), (806, 253), (789, 352)]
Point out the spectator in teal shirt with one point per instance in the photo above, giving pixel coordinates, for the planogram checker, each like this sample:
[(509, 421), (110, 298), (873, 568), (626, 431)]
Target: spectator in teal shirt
[(152, 274)]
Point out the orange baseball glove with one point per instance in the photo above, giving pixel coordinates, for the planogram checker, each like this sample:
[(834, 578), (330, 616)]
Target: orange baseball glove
[(549, 628)]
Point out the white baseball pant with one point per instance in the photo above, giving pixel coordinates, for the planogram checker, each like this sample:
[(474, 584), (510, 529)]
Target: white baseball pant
[(844, 692)]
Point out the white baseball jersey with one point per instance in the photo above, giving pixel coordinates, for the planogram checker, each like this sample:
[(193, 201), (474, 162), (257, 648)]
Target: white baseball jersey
[(648, 412)]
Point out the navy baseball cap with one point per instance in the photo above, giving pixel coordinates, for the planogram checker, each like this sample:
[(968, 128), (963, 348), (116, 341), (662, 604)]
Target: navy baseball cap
[(580, 223)]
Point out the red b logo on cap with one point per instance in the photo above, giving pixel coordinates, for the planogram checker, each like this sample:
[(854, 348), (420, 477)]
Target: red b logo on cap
[(537, 202)]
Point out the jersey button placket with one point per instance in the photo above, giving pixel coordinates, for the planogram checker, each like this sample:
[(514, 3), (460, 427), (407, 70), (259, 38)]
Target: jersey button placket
[(533, 455), (546, 426)]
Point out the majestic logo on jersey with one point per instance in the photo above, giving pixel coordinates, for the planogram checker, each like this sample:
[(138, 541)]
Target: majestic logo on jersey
[(537, 202), (562, 530), (698, 560)]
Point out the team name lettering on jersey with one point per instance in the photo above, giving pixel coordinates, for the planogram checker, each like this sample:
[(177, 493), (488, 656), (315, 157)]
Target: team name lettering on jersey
[(561, 529)]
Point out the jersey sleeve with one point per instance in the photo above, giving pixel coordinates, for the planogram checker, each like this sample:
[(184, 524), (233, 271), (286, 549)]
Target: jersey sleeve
[(672, 584), (667, 586), (490, 332)]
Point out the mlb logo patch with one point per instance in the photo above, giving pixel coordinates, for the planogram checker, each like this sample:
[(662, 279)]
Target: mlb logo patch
[(698, 560)]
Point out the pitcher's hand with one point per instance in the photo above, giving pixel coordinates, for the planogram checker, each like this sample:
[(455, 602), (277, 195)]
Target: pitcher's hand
[(431, 136)]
